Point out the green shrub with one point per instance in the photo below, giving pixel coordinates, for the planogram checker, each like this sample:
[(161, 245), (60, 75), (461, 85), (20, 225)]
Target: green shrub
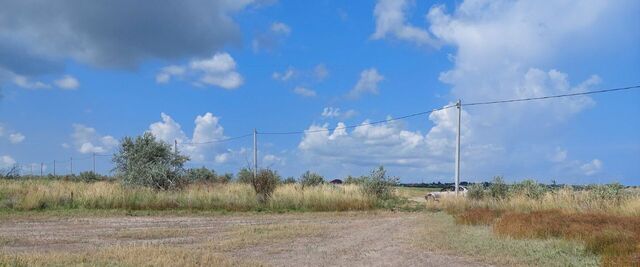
[(608, 192), (311, 179), (354, 180), (225, 178), (289, 180), (265, 183), (245, 175), (528, 188), (201, 175), (90, 177), (146, 161), (498, 189), (476, 192), (378, 184)]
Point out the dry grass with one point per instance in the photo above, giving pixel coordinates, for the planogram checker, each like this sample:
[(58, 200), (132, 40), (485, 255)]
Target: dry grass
[(606, 227), (43, 195), (252, 235), (616, 238), (137, 255)]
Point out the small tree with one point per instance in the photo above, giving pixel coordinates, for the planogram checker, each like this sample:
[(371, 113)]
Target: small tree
[(225, 178), (529, 188), (201, 175), (378, 184), (498, 189), (265, 183), (149, 162), (311, 179)]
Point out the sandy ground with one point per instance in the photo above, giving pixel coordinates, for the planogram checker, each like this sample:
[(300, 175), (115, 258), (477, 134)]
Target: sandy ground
[(344, 239)]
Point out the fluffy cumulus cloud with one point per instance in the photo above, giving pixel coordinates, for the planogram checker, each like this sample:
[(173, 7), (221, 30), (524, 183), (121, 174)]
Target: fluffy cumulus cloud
[(391, 144), (87, 140), (502, 51), (330, 112), (592, 167), (219, 70), (368, 83), (391, 21), (66, 82), (6, 161), (16, 138), (199, 146)]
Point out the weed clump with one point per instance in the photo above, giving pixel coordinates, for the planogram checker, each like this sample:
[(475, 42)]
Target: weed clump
[(476, 192), (265, 183), (379, 185), (498, 188), (311, 179)]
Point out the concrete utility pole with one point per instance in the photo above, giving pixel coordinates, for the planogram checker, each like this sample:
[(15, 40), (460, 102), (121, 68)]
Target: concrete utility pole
[(71, 165), (175, 146), (255, 153), (54, 167), (94, 162), (459, 107), (41, 167)]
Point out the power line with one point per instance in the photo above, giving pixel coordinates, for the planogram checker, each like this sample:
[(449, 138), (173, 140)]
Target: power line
[(551, 96), (358, 125), (217, 140)]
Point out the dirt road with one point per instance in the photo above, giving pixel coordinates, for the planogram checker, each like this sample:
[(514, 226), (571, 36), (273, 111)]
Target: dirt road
[(294, 239)]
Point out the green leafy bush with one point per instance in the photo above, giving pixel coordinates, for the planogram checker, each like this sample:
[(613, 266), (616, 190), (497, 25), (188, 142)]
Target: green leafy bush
[(289, 180), (378, 184), (355, 180), (90, 177), (201, 175), (245, 175), (529, 188), (265, 183), (225, 178), (311, 179), (498, 189), (608, 192), (146, 161), (476, 192)]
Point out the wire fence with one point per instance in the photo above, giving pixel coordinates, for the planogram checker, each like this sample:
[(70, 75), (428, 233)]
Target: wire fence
[(101, 163)]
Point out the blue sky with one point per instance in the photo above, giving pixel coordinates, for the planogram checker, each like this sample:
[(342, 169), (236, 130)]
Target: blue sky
[(76, 78)]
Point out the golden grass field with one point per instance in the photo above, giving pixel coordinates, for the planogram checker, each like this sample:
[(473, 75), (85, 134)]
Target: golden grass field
[(198, 225)]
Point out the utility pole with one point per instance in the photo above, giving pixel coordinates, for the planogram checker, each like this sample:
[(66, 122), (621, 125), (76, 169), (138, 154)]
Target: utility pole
[(71, 165), (41, 167), (459, 107), (54, 167), (94, 162), (31, 169), (175, 147), (255, 153)]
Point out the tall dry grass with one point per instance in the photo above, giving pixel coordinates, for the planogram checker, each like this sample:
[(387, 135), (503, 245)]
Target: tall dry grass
[(566, 200), (43, 194)]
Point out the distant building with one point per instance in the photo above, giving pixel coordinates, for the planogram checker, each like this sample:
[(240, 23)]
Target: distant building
[(336, 181)]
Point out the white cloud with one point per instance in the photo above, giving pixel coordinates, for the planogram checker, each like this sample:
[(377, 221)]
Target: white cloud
[(271, 38), (391, 21), (24, 82), (306, 92), (560, 155), (87, 140), (67, 82), (165, 74), (320, 72), (284, 76), (592, 167), (16, 138), (330, 112), (368, 83), (219, 70), (280, 28), (270, 160), (207, 128), (6, 161)]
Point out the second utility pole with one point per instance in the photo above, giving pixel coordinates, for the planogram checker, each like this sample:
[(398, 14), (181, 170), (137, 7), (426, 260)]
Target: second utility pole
[(255, 153), (459, 107)]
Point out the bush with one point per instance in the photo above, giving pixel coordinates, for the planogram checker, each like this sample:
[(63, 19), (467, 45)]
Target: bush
[(529, 188), (245, 175), (609, 192), (225, 178), (378, 184), (11, 172), (149, 162), (311, 179), (476, 192), (265, 183), (354, 180), (498, 189), (90, 177), (201, 175), (289, 180)]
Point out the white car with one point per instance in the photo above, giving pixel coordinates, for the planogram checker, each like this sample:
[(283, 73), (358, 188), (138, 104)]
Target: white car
[(446, 192)]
